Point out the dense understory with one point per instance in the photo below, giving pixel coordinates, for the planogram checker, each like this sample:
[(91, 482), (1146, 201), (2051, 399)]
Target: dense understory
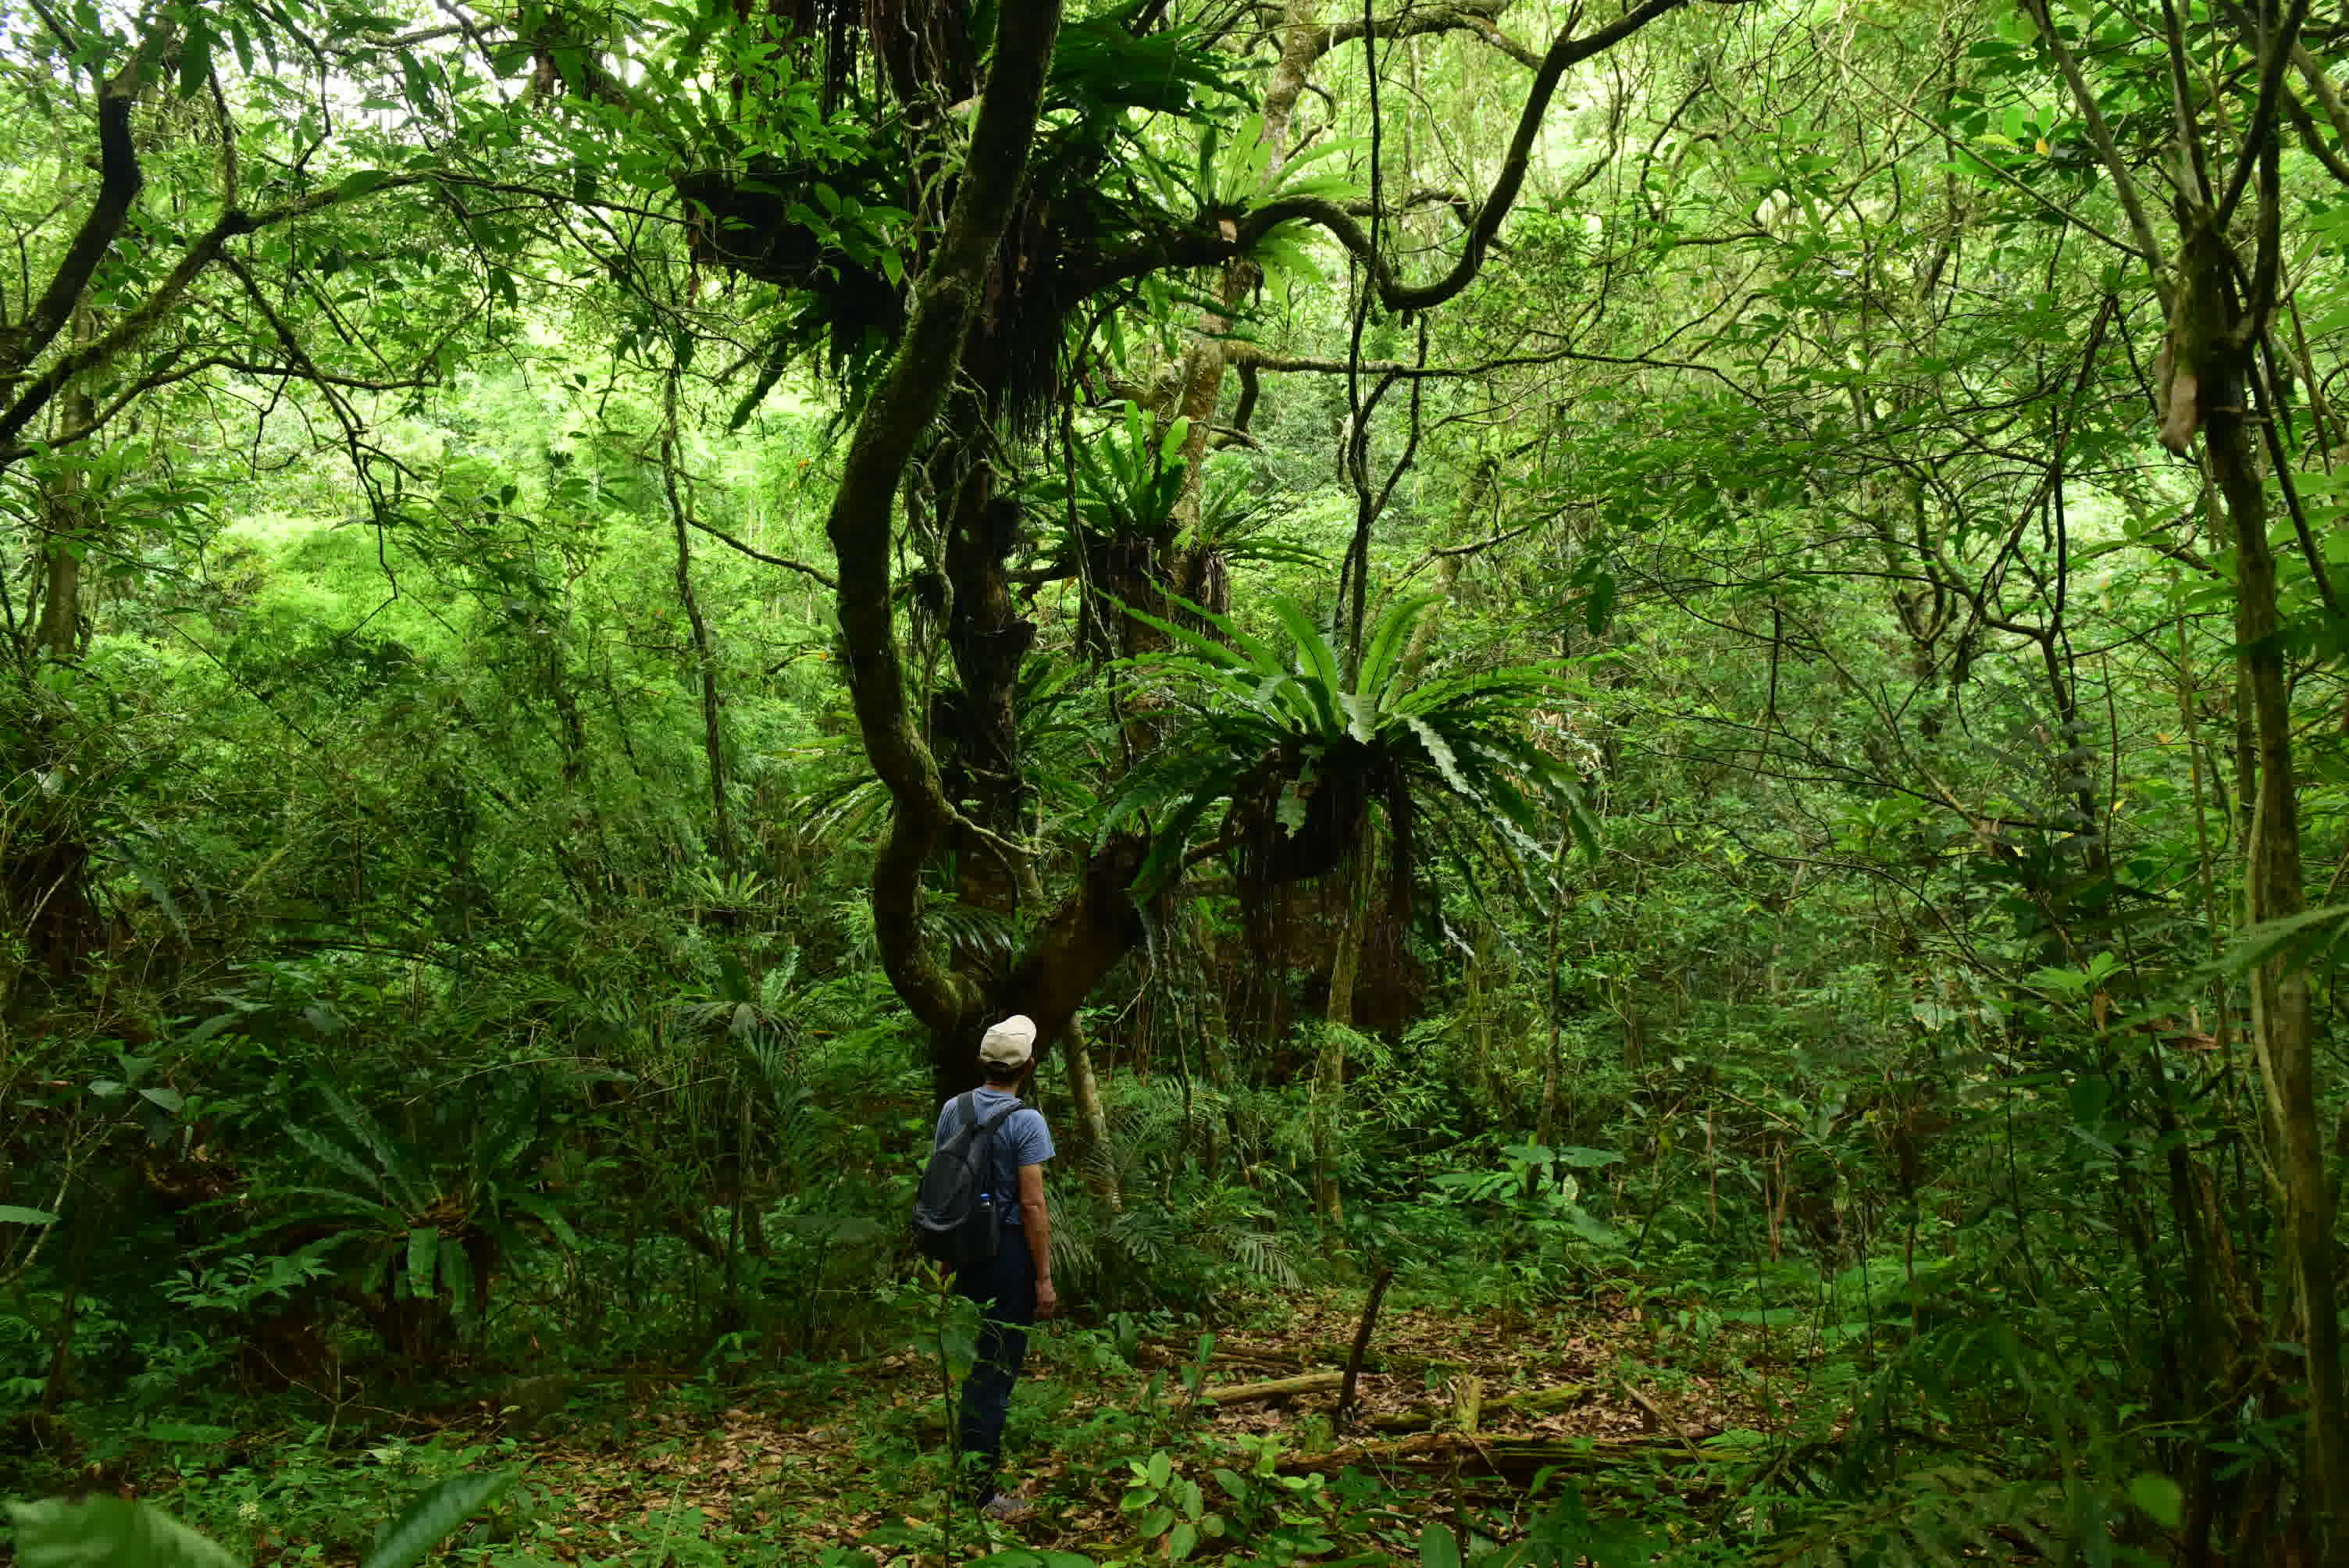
[(1650, 702)]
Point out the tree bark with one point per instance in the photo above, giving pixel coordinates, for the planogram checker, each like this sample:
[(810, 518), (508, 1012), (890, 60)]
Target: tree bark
[(71, 518), (910, 395), (60, 600), (1096, 1157), (1338, 1022), (705, 656), (2283, 1022)]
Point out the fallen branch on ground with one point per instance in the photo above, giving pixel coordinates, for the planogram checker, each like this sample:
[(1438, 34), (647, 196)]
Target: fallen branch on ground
[(1509, 1455), (1525, 1402), (1306, 1383)]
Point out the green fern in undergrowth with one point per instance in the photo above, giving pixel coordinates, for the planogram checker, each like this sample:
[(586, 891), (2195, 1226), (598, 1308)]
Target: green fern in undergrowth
[(1945, 1513), (1294, 753)]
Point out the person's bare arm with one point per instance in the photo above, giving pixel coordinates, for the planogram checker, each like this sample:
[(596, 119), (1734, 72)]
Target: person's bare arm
[(1038, 1225)]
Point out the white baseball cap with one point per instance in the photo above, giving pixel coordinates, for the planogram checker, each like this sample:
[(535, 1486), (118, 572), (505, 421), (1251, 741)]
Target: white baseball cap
[(1010, 1043)]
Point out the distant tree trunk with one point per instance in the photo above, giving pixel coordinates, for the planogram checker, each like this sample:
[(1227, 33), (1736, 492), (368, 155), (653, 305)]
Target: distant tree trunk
[(1096, 1158), (60, 630), (1302, 42), (1338, 1022), (705, 656), (70, 518), (1546, 1117)]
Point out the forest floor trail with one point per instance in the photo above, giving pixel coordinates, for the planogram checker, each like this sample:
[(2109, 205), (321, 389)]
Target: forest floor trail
[(1452, 1408)]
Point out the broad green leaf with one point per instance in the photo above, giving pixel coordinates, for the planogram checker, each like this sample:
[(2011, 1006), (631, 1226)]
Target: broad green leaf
[(423, 1245), (195, 57), (398, 1174), (2161, 1497), (1440, 754), (1319, 656), (14, 1215), (1388, 638), (333, 1153), (103, 1531), (1438, 1548), (432, 1517)]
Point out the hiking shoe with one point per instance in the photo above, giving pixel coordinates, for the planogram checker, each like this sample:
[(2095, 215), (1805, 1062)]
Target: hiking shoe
[(1005, 1506)]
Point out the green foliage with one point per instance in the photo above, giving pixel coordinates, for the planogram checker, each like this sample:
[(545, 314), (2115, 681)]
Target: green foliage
[(103, 1530), (1127, 482), (433, 1516), (421, 1218), (387, 1024), (1296, 749)]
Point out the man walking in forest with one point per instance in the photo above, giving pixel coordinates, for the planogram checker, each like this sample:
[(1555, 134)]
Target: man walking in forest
[(1015, 1288)]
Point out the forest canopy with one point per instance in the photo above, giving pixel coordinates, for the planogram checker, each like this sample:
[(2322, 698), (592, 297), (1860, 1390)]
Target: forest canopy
[(1647, 696)]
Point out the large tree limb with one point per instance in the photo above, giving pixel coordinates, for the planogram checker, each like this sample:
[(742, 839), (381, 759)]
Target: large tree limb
[(119, 179), (35, 395), (911, 394)]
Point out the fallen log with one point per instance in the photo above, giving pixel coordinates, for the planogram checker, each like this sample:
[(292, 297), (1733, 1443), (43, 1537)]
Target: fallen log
[(1525, 1402), (1502, 1456), (1272, 1389), (1176, 1356)]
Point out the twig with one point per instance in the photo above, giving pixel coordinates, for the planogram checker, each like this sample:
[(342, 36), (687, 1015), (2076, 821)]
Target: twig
[(1378, 1282)]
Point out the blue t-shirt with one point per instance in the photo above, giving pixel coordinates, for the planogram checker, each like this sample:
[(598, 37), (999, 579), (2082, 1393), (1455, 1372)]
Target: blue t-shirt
[(1020, 1138)]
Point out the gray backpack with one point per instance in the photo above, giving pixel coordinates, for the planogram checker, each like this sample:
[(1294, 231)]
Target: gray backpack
[(956, 1220)]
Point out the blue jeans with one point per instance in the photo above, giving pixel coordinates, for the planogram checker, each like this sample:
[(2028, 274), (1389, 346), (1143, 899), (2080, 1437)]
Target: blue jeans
[(1005, 1290)]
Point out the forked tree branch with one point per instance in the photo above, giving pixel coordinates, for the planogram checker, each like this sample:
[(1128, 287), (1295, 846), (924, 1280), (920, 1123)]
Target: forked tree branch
[(33, 396), (1217, 238)]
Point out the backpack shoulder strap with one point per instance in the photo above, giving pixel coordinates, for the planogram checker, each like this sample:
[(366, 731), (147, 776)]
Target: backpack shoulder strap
[(967, 1103), (1004, 1115)]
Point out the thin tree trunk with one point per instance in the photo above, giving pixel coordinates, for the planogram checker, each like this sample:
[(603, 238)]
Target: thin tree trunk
[(704, 656), (1546, 1117), (60, 600), (2282, 1023), (1096, 1161), (1302, 42), (70, 515), (1338, 1022)]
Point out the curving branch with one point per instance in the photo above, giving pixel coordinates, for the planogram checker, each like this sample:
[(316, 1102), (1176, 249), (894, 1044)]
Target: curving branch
[(120, 180), (1565, 51), (910, 396), (754, 553), (2258, 137), (1480, 18), (1220, 236)]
